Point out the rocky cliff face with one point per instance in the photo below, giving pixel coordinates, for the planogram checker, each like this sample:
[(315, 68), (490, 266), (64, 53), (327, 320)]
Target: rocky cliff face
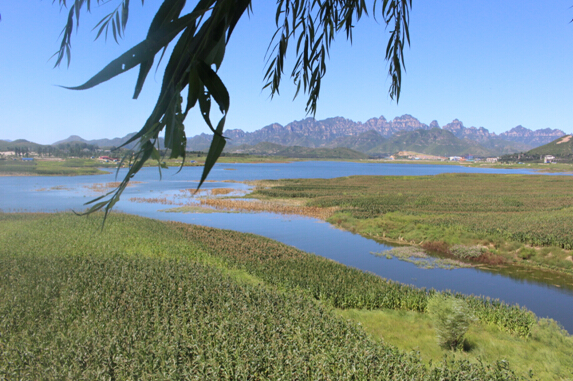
[(342, 132), (534, 138), (457, 128), (314, 133)]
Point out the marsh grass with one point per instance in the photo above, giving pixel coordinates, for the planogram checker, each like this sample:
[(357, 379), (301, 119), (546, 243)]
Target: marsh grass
[(221, 191), (268, 206), (495, 211), (70, 167), (146, 299)]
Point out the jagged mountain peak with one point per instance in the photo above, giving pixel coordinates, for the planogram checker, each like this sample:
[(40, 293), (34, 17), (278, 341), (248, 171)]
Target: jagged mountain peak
[(339, 131)]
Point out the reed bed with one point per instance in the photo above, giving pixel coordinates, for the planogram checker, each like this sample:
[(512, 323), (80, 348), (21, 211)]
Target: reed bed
[(269, 206), (141, 300), (221, 191), (453, 208), (336, 284)]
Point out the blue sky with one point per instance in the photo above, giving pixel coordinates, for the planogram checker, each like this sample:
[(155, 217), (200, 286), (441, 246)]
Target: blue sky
[(496, 64)]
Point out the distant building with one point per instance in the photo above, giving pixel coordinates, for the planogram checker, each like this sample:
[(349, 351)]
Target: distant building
[(456, 158), (549, 159), (491, 160)]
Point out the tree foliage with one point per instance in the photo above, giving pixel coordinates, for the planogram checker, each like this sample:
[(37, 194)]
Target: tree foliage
[(201, 37), (452, 318)]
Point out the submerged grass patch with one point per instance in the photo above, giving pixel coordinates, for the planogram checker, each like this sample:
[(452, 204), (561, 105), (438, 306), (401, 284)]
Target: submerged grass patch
[(419, 257)]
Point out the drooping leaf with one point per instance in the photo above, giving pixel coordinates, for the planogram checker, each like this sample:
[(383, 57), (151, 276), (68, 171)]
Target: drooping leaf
[(215, 86), (217, 146)]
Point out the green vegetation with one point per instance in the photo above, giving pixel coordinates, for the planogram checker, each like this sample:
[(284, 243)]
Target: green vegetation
[(300, 152), (420, 258), (22, 147), (548, 352), (452, 318), (561, 149), (149, 299), (509, 215), (68, 167), (433, 142)]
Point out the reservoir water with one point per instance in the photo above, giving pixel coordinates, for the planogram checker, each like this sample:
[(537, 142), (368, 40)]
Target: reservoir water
[(552, 299)]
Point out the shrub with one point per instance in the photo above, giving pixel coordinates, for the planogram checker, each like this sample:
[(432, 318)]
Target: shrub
[(527, 253), (451, 317)]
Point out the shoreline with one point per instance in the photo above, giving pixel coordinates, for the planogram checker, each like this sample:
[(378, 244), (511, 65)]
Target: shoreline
[(491, 261)]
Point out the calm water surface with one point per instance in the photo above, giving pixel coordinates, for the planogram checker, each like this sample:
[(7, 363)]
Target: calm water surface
[(48, 194)]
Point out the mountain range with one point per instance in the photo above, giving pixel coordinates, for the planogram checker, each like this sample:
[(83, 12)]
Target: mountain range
[(376, 136)]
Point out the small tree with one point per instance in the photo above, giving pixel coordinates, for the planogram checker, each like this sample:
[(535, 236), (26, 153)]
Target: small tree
[(451, 317)]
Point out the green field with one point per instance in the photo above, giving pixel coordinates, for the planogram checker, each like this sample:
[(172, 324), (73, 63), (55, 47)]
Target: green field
[(67, 167), (516, 219), (146, 299)]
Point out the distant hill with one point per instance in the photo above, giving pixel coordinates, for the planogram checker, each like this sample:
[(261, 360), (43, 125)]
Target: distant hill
[(20, 143), (490, 141), (433, 142), (364, 142), (536, 138), (102, 143), (375, 136), (560, 148), (266, 148)]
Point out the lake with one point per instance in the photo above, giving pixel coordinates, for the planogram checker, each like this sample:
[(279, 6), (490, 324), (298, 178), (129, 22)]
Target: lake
[(553, 298)]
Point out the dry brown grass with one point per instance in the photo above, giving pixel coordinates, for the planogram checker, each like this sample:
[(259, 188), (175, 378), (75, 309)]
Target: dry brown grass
[(267, 206), (221, 191)]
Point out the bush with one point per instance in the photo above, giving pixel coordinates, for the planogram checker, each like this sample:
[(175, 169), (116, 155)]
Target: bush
[(527, 253), (451, 317)]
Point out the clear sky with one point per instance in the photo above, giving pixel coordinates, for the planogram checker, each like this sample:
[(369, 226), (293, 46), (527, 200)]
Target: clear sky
[(490, 63)]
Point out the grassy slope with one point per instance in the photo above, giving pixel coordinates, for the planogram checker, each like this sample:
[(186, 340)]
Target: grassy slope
[(433, 142), (562, 147), (503, 212), (146, 298)]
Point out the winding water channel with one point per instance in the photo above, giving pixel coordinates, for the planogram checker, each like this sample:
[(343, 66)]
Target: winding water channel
[(547, 296)]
